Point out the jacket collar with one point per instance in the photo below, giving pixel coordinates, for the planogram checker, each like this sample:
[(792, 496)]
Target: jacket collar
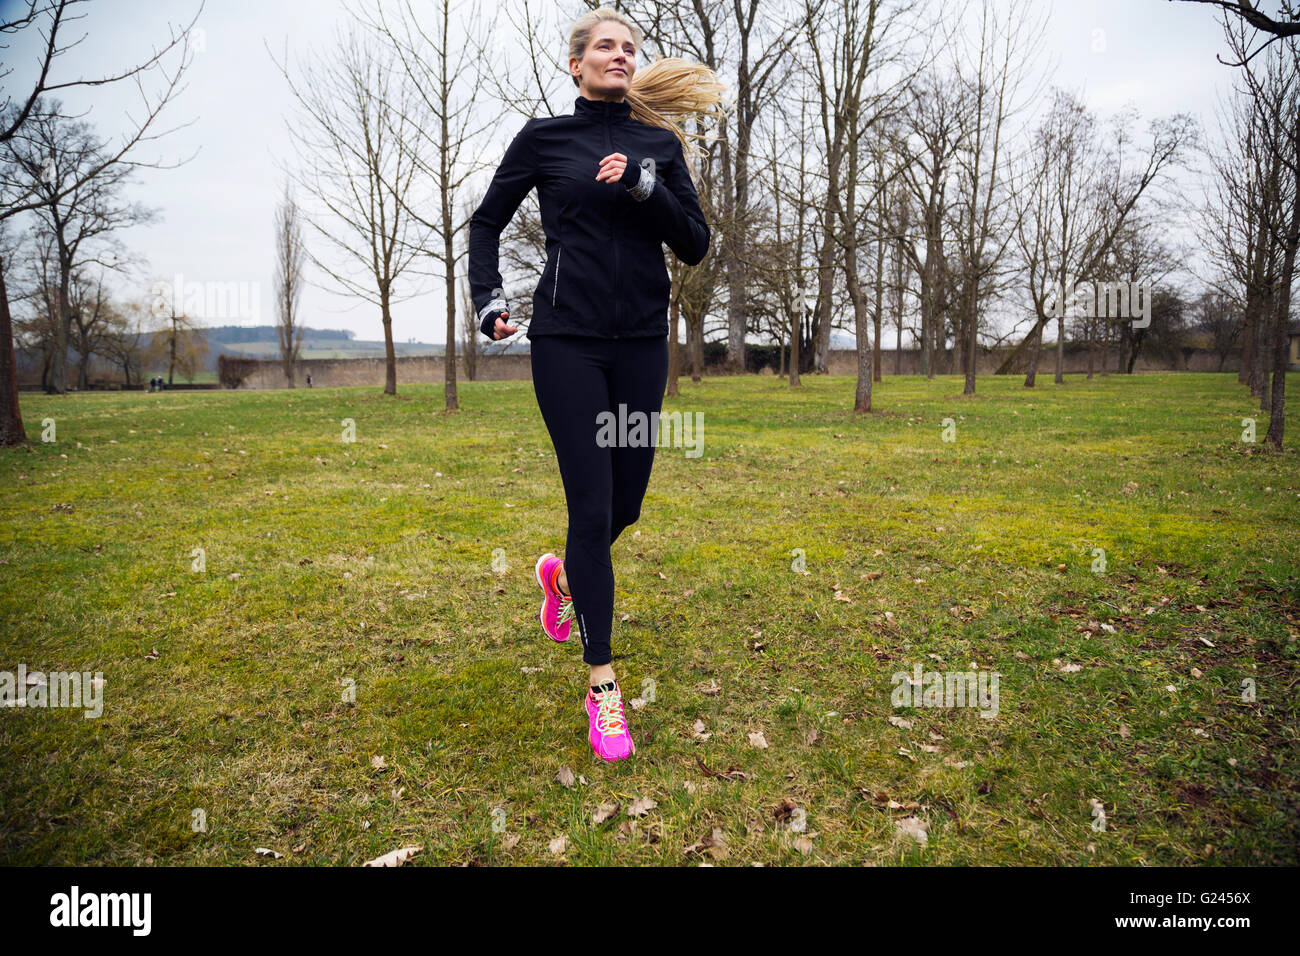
[(601, 109)]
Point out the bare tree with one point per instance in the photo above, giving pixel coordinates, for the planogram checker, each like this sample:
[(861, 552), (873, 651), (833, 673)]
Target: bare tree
[(91, 311), (1079, 196), (443, 69), (289, 254), (933, 137), (356, 140), (993, 77), (49, 152), (122, 343), (48, 17), (1256, 219), (176, 339), (1286, 23), (857, 56), (731, 38)]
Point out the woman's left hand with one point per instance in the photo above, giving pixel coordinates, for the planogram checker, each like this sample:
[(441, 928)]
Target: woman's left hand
[(611, 168)]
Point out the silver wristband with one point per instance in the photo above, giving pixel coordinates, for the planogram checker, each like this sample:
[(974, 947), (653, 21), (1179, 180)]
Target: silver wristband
[(646, 184)]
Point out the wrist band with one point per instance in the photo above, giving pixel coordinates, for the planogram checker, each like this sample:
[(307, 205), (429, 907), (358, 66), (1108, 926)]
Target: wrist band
[(497, 304), (646, 184)]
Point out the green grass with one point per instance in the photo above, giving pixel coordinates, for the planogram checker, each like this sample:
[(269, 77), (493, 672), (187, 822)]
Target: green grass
[(359, 562)]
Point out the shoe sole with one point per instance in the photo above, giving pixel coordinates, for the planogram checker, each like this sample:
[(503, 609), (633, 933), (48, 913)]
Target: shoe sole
[(541, 615)]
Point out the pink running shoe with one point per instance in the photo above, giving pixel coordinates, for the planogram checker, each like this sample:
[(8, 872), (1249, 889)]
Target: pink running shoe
[(607, 727), (557, 607)]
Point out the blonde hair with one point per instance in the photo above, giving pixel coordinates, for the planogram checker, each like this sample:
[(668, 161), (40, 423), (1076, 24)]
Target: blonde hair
[(667, 92)]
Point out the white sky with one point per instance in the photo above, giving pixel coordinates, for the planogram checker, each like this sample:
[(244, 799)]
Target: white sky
[(217, 210)]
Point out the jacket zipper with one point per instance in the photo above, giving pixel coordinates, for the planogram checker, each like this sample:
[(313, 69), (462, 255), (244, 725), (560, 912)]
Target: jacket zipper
[(556, 285), (618, 307)]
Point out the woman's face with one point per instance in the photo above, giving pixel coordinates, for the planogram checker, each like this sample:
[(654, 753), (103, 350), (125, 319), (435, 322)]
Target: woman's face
[(606, 68)]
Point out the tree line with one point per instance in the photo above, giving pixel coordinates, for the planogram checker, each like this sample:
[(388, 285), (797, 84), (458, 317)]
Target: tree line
[(882, 167)]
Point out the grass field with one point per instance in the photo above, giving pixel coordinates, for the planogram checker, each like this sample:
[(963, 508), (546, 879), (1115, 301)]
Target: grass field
[(366, 569)]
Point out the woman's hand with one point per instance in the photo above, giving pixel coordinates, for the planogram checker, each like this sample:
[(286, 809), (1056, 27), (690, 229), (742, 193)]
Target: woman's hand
[(611, 168), (503, 329)]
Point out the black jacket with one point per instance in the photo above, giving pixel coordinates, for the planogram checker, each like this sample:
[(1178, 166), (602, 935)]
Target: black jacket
[(605, 274)]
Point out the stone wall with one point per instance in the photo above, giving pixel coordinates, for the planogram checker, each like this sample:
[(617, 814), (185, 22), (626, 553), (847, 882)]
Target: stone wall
[(517, 367), (372, 371)]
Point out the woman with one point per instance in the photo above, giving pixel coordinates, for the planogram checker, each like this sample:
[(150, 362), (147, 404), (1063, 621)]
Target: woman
[(614, 186)]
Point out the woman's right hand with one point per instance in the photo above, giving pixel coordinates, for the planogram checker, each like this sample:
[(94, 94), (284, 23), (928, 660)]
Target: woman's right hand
[(503, 329)]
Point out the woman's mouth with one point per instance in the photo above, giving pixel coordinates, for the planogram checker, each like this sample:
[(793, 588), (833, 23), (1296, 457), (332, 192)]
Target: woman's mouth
[(617, 70)]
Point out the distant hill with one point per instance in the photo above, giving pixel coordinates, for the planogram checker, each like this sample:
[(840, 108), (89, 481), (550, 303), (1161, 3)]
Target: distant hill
[(263, 342)]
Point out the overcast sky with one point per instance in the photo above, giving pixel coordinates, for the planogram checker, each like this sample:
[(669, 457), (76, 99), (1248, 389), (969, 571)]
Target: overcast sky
[(217, 209)]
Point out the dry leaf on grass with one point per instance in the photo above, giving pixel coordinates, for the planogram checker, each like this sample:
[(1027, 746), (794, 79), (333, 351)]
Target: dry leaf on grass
[(558, 845), (883, 801), (603, 813), (565, 778), (396, 857), (715, 845), (263, 851), (914, 828), (902, 723), (756, 739), (641, 806)]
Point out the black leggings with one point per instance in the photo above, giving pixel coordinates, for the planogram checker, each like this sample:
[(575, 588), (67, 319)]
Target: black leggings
[(575, 378)]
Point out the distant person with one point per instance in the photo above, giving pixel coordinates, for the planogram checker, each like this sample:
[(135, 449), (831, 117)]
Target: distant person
[(599, 339), (309, 381)]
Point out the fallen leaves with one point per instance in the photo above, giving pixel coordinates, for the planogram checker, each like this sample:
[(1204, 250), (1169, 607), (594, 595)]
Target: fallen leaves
[(882, 800), (731, 773)]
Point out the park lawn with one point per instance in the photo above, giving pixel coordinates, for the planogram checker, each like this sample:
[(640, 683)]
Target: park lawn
[(400, 568)]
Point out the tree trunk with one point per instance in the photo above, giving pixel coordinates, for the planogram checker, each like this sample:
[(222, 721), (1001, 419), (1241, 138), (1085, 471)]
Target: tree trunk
[(390, 355), (674, 314), (1035, 349), (1281, 346), (11, 419), (451, 397)]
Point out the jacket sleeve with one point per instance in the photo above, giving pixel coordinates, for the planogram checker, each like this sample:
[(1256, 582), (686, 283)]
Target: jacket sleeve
[(674, 208), (516, 175)]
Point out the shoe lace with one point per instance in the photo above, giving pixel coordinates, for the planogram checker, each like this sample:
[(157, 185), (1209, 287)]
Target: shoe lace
[(566, 610), (609, 713)]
